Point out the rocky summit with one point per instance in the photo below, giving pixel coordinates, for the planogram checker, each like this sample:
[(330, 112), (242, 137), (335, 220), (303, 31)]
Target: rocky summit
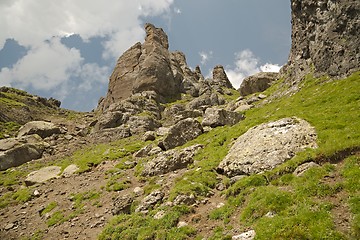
[(170, 154)]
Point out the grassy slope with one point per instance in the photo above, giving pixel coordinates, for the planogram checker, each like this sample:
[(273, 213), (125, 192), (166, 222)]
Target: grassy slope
[(301, 204)]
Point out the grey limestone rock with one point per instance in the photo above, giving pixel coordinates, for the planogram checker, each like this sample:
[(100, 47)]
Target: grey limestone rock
[(150, 201), (182, 132), (268, 145), (41, 128), (17, 151), (215, 117), (171, 160), (258, 82)]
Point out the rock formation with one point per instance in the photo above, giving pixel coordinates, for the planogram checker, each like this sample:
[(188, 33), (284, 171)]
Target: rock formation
[(257, 83), (325, 38), (268, 145), (149, 67)]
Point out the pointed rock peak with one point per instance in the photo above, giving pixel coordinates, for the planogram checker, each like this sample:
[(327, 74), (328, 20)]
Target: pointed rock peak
[(156, 35), (219, 76)]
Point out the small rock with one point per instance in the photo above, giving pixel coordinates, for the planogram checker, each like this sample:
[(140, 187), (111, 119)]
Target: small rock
[(149, 136), (70, 170), (68, 137), (159, 215), (9, 226), (262, 96), (270, 214), (220, 186), (184, 199), (36, 193), (182, 224), (300, 170), (138, 191), (149, 201), (249, 235), (162, 131), (220, 205)]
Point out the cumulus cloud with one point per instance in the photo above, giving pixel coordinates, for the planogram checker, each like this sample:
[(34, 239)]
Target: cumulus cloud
[(40, 24), (44, 67), (52, 66), (205, 56), (246, 64)]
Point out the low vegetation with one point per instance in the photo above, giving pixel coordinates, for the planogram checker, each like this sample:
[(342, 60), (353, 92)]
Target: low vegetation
[(276, 204)]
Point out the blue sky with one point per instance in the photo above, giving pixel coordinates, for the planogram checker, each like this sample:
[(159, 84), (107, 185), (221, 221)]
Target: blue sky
[(67, 49)]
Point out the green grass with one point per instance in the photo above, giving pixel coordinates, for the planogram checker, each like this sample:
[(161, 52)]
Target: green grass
[(48, 208), (94, 155), (8, 128), (80, 198), (56, 218), (21, 195), (351, 175), (138, 226)]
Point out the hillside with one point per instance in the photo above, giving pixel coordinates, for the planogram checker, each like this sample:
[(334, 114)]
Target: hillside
[(169, 154)]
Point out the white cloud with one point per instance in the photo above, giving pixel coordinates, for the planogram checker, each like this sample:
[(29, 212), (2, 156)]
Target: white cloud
[(45, 66), (246, 64), (205, 56), (268, 67), (177, 10), (32, 21), (51, 66)]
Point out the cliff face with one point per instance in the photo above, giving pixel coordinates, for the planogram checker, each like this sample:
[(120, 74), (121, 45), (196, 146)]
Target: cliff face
[(325, 38)]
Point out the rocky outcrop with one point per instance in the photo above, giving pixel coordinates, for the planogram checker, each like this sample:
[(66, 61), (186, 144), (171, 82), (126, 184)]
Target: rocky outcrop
[(215, 117), (257, 83), (150, 201), (171, 160), (220, 78), (148, 67), (325, 38), (139, 112), (14, 152), (268, 145), (41, 128), (122, 204), (182, 132)]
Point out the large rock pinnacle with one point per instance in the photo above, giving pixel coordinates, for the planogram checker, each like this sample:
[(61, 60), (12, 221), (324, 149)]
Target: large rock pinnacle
[(143, 67), (325, 38)]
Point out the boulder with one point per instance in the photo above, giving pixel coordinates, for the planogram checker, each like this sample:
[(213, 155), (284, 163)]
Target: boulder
[(15, 152), (258, 82), (182, 132), (268, 145), (178, 112), (150, 201), (41, 128), (183, 199), (122, 204), (111, 134), (111, 120), (42, 175), (171, 160), (205, 101), (215, 117), (149, 136)]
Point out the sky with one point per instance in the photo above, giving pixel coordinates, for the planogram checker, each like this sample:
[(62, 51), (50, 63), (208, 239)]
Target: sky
[(67, 49)]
